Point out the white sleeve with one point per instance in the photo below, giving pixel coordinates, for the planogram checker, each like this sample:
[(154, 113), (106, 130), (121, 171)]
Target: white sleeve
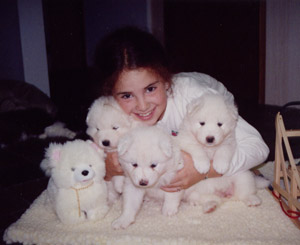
[(251, 149), (193, 84)]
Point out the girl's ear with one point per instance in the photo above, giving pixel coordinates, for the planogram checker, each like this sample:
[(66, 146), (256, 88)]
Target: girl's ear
[(167, 86)]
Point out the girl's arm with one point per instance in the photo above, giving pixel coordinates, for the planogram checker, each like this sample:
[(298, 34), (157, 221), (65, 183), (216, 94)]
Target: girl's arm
[(251, 149), (112, 166)]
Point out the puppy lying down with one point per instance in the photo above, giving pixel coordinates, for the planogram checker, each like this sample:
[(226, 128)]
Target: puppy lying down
[(149, 160)]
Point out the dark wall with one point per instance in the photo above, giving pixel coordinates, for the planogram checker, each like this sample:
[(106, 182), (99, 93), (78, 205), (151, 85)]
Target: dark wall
[(220, 38), (11, 64), (73, 29)]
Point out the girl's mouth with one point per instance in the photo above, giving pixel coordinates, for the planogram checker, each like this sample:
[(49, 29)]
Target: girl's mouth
[(145, 116)]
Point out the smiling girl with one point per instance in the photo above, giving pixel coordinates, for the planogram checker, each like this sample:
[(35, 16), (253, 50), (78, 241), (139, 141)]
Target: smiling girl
[(134, 69)]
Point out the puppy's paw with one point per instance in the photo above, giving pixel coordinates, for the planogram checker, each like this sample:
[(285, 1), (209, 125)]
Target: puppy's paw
[(121, 223), (169, 210), (202, 165), (209, 207), (252, 201), (118, 182), (112, 198), (220, 166)]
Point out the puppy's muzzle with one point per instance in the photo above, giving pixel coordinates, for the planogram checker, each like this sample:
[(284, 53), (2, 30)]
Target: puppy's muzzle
[(144, 182)]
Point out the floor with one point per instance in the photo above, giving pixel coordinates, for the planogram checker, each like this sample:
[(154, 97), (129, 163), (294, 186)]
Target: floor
[(20, 184)]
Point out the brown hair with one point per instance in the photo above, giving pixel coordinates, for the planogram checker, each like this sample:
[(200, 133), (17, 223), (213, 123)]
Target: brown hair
[(129, 48)]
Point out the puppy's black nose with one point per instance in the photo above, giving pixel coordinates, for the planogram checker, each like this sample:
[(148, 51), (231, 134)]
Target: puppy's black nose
[(85, 172), (210, 139), (105, 142), (144, 182)]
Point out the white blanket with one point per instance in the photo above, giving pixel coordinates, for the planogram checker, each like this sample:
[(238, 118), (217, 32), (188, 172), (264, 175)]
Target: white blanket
[(231, 223)]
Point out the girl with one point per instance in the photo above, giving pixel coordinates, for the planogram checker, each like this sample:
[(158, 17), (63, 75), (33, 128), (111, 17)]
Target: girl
[(134, 69)]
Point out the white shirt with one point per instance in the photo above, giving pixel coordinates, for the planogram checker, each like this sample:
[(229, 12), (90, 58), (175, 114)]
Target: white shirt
[(251, 149)]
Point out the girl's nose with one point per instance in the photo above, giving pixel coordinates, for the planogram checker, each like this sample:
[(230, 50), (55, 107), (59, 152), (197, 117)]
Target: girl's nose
[(142, 105)]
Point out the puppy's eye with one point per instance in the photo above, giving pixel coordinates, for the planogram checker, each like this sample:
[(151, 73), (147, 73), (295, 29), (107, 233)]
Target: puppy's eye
[(73, 169), (202, 123), (153, 165), (115, 127), (220, 124), (135, 165)]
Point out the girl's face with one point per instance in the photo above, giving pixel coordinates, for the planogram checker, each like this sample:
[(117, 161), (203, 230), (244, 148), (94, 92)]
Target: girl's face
[(142, 94)]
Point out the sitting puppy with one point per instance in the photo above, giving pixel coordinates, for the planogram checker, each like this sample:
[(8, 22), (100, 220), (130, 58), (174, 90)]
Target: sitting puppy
[(213, 191), (76, 187), (207, 132), (106, 123), (149, 160)]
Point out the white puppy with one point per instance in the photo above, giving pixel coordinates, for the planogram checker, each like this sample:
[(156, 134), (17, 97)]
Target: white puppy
[(213, 191), (150, 160), (207, 132), (106, 123)]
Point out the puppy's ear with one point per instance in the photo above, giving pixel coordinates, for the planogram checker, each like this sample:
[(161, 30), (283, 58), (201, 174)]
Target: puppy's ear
[(195, 105), (232, 108), (124, 144), (166, 146)]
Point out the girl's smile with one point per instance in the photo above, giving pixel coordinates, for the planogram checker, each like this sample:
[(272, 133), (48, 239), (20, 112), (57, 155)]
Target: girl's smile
[(141, 93)]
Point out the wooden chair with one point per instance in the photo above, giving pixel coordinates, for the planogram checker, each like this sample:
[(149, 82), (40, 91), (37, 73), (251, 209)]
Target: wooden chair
[(286, 173)]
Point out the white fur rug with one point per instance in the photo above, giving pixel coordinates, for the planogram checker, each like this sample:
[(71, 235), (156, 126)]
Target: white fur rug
[(231, 223)]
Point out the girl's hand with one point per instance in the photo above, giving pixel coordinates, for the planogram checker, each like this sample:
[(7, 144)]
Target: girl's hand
[(112, 165), (188, 175)]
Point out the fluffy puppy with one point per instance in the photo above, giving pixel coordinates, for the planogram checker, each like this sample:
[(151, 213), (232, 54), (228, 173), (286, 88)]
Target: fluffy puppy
[(207, 132), (213, 191), (150, 160), (106, 124)]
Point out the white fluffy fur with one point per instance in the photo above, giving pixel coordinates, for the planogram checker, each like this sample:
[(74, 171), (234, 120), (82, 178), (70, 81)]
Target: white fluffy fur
[(58, 129), (149, 159), (213, 191), (208, 132), (106, 123), (76, 165)]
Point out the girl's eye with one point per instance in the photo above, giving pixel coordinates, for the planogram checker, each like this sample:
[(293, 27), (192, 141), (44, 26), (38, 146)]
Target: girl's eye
[(126, 96), (135, 165), (115, 127), (220, 124), (98, 129), (151, 89), (202, 123), (153, 165)]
